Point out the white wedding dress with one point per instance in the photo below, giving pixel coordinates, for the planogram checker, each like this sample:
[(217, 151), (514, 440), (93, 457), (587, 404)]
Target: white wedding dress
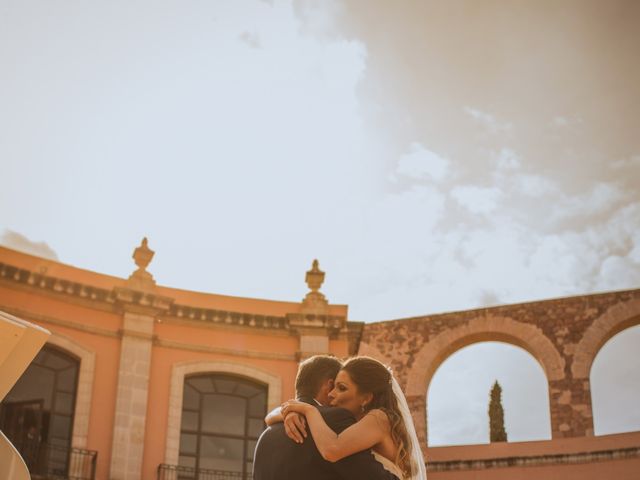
[(388, 465)]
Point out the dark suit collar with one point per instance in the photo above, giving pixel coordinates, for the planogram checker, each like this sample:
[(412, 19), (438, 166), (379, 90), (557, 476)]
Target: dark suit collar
[(310, 401)]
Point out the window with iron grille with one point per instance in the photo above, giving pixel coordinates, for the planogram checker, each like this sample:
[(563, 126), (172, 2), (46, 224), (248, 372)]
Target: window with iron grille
[(222, 418), (37, 414)]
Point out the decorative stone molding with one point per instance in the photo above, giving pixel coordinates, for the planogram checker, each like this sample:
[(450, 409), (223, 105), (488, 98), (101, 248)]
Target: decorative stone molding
[(614, 320), (223, 317), (85, 386), (312, 323), (164, 308), (183, 369), (44, 282), (150, 303), (141, 302), (535, 460)]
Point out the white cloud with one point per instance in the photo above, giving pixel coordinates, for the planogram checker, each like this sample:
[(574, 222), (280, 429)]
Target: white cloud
[(478, 200), (533, 185), (560, 121), (421, 163), (488, 121), (601, 198), (631, 162), (251, 39), (617, 273), (507, 159)]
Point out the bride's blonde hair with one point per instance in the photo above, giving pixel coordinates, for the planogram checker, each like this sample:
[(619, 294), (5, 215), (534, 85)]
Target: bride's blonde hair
[(371, 376)]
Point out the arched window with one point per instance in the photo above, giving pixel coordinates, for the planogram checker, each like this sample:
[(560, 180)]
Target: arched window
[(458, 395), (615, 384), (222, 418), (37, 414)]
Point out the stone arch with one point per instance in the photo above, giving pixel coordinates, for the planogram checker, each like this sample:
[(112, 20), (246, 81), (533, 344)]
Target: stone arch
[(370, 351), (614, 320), (481, 329), (181, 370), (86, 375)]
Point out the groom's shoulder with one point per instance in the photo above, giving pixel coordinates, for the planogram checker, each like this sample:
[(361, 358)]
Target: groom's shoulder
[(335, 412), (337, 418)]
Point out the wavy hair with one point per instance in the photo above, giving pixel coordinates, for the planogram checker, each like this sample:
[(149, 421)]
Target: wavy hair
[(371, 376)]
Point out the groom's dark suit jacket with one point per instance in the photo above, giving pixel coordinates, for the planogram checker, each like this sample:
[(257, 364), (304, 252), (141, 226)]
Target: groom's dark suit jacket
[(277, 457)]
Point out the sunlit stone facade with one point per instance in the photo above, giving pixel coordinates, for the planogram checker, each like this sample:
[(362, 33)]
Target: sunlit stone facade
[(138, 344)]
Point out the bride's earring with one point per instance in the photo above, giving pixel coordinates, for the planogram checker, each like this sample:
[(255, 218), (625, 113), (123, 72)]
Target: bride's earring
[(362, 408)]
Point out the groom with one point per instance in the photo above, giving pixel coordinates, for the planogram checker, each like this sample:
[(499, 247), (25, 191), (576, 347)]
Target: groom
[(277, 457)]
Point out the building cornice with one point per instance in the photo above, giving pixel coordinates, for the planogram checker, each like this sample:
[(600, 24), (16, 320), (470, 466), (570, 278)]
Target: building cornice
[(535, 460), (51, 320), (61, 288), (211, 316), (163, 308)]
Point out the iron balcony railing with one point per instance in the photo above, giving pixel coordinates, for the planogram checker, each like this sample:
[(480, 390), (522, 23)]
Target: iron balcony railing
[(47, 461), (175, 472)]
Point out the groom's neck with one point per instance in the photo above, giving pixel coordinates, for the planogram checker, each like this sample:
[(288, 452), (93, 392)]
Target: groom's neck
[(310, 400)]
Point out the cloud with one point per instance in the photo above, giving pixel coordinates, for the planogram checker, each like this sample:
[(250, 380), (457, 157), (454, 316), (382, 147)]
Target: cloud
[(600, 199), (507, 159), (19, 242), (450, 246), (488, 121), (631, 162), (618, 273), (251, 39), (421, 163), (478, 200), (533, 185), (560, 121)]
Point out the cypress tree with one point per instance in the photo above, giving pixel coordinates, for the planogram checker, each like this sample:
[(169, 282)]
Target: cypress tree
[(497, 433)]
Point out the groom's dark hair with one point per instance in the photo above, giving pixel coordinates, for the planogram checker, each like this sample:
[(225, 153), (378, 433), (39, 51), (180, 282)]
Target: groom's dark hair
[(313, 372)]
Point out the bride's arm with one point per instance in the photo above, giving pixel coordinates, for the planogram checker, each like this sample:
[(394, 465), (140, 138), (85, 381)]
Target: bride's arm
[(362, 435), (294, 424), (274, 416)]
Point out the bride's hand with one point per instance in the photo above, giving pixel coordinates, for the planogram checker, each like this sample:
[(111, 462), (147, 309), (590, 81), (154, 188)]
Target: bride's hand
[(295, 426), (293, 412), (294, 406)]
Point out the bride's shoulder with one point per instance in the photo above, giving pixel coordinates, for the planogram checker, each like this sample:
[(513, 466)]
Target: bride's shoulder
[(380, 416)]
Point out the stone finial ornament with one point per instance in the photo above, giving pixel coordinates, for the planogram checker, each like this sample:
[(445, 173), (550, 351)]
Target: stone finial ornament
[(315, 302), (141, 279), (314, 277), (143, 255)]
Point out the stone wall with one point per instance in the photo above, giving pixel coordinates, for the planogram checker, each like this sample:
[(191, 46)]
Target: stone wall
[(564, 335)]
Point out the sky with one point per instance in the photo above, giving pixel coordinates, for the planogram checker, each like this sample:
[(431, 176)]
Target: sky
[(433, 155)]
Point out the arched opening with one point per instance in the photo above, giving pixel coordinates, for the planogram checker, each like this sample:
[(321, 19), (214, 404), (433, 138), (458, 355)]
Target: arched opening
[(222, 418), (458, 395), (615, 384), (37, 415)]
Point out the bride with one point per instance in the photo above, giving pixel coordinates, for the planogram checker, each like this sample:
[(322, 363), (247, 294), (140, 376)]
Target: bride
[(369, 391)]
